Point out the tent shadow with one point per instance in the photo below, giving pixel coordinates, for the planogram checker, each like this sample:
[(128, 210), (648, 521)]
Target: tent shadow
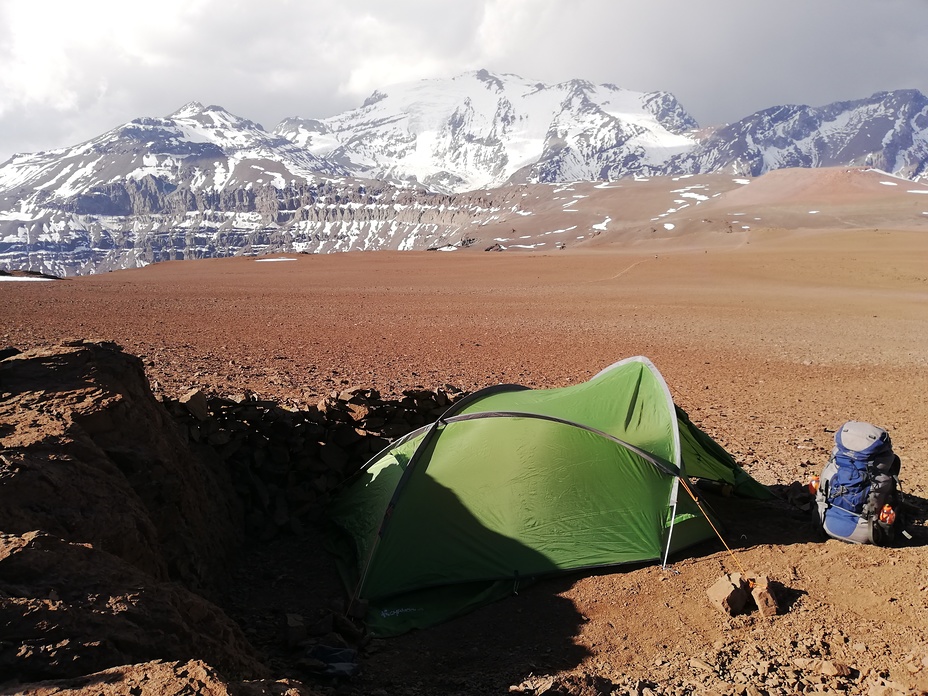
[(782, 520), (916, 511), (788, 519), (531, 630)]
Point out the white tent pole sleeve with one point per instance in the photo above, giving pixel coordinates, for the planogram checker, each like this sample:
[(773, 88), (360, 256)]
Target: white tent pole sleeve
[(673, 516)]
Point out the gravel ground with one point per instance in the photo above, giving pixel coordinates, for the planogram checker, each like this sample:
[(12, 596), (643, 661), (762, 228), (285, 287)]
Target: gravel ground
[(768, 345)]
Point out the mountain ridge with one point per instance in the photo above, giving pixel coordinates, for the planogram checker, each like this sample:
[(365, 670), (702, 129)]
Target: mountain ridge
[(415, 166)]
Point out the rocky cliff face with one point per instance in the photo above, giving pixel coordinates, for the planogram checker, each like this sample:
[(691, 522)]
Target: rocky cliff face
[(134, 222)]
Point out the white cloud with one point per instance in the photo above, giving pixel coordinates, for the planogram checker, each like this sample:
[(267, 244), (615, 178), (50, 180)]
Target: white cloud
[(508, 26), (54, 51), (72, 70)]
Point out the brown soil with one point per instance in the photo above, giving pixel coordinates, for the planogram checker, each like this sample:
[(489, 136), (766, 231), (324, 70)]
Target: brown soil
[(769, 342)]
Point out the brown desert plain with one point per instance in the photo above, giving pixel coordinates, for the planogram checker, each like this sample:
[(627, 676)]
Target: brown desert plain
[(770, 334)]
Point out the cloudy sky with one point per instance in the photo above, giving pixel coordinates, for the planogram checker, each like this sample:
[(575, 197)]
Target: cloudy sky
[(70, 70)]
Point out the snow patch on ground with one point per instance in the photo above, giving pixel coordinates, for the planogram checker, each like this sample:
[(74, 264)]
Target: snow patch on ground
[(669, 225), (566, 229), (882, 172), (696, 196), (269, 260), (22, 279)]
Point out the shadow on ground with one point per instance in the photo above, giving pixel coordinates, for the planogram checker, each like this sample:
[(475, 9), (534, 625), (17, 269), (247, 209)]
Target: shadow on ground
[(531, 632), (789, 518)]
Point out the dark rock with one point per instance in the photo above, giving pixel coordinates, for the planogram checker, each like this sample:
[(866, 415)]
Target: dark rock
[(294, 629), (195, 401), (8, 352)]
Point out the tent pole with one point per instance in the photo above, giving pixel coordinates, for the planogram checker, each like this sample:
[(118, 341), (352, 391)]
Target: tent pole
[(673, 516), (674, 493)]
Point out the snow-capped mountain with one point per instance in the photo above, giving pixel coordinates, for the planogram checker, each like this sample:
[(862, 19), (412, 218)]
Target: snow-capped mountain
[(198, 183), (481, 130), (888, 131), (394, 173), (207, 149)]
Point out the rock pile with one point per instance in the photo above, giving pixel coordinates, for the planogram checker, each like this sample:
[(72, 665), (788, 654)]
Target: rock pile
[(825, 661), (283, 462), (737, 592), (160, 678)]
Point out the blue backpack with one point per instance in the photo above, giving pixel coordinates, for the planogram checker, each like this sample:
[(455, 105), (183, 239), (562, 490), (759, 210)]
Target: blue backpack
[(858, 496)]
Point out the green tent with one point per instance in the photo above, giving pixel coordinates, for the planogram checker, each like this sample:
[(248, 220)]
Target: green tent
[(513, 483)]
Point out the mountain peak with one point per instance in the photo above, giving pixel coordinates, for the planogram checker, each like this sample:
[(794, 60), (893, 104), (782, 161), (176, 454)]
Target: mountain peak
[(492, 81), (580, 85), (375, 97), (187, 110)]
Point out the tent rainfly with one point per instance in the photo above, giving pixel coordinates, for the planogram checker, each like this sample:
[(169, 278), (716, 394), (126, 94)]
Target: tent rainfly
[(513, 483)]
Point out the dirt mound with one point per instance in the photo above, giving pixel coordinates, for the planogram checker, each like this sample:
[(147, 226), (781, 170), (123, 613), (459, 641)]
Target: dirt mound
[(72, 610), (91, 457), (108, 522)]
